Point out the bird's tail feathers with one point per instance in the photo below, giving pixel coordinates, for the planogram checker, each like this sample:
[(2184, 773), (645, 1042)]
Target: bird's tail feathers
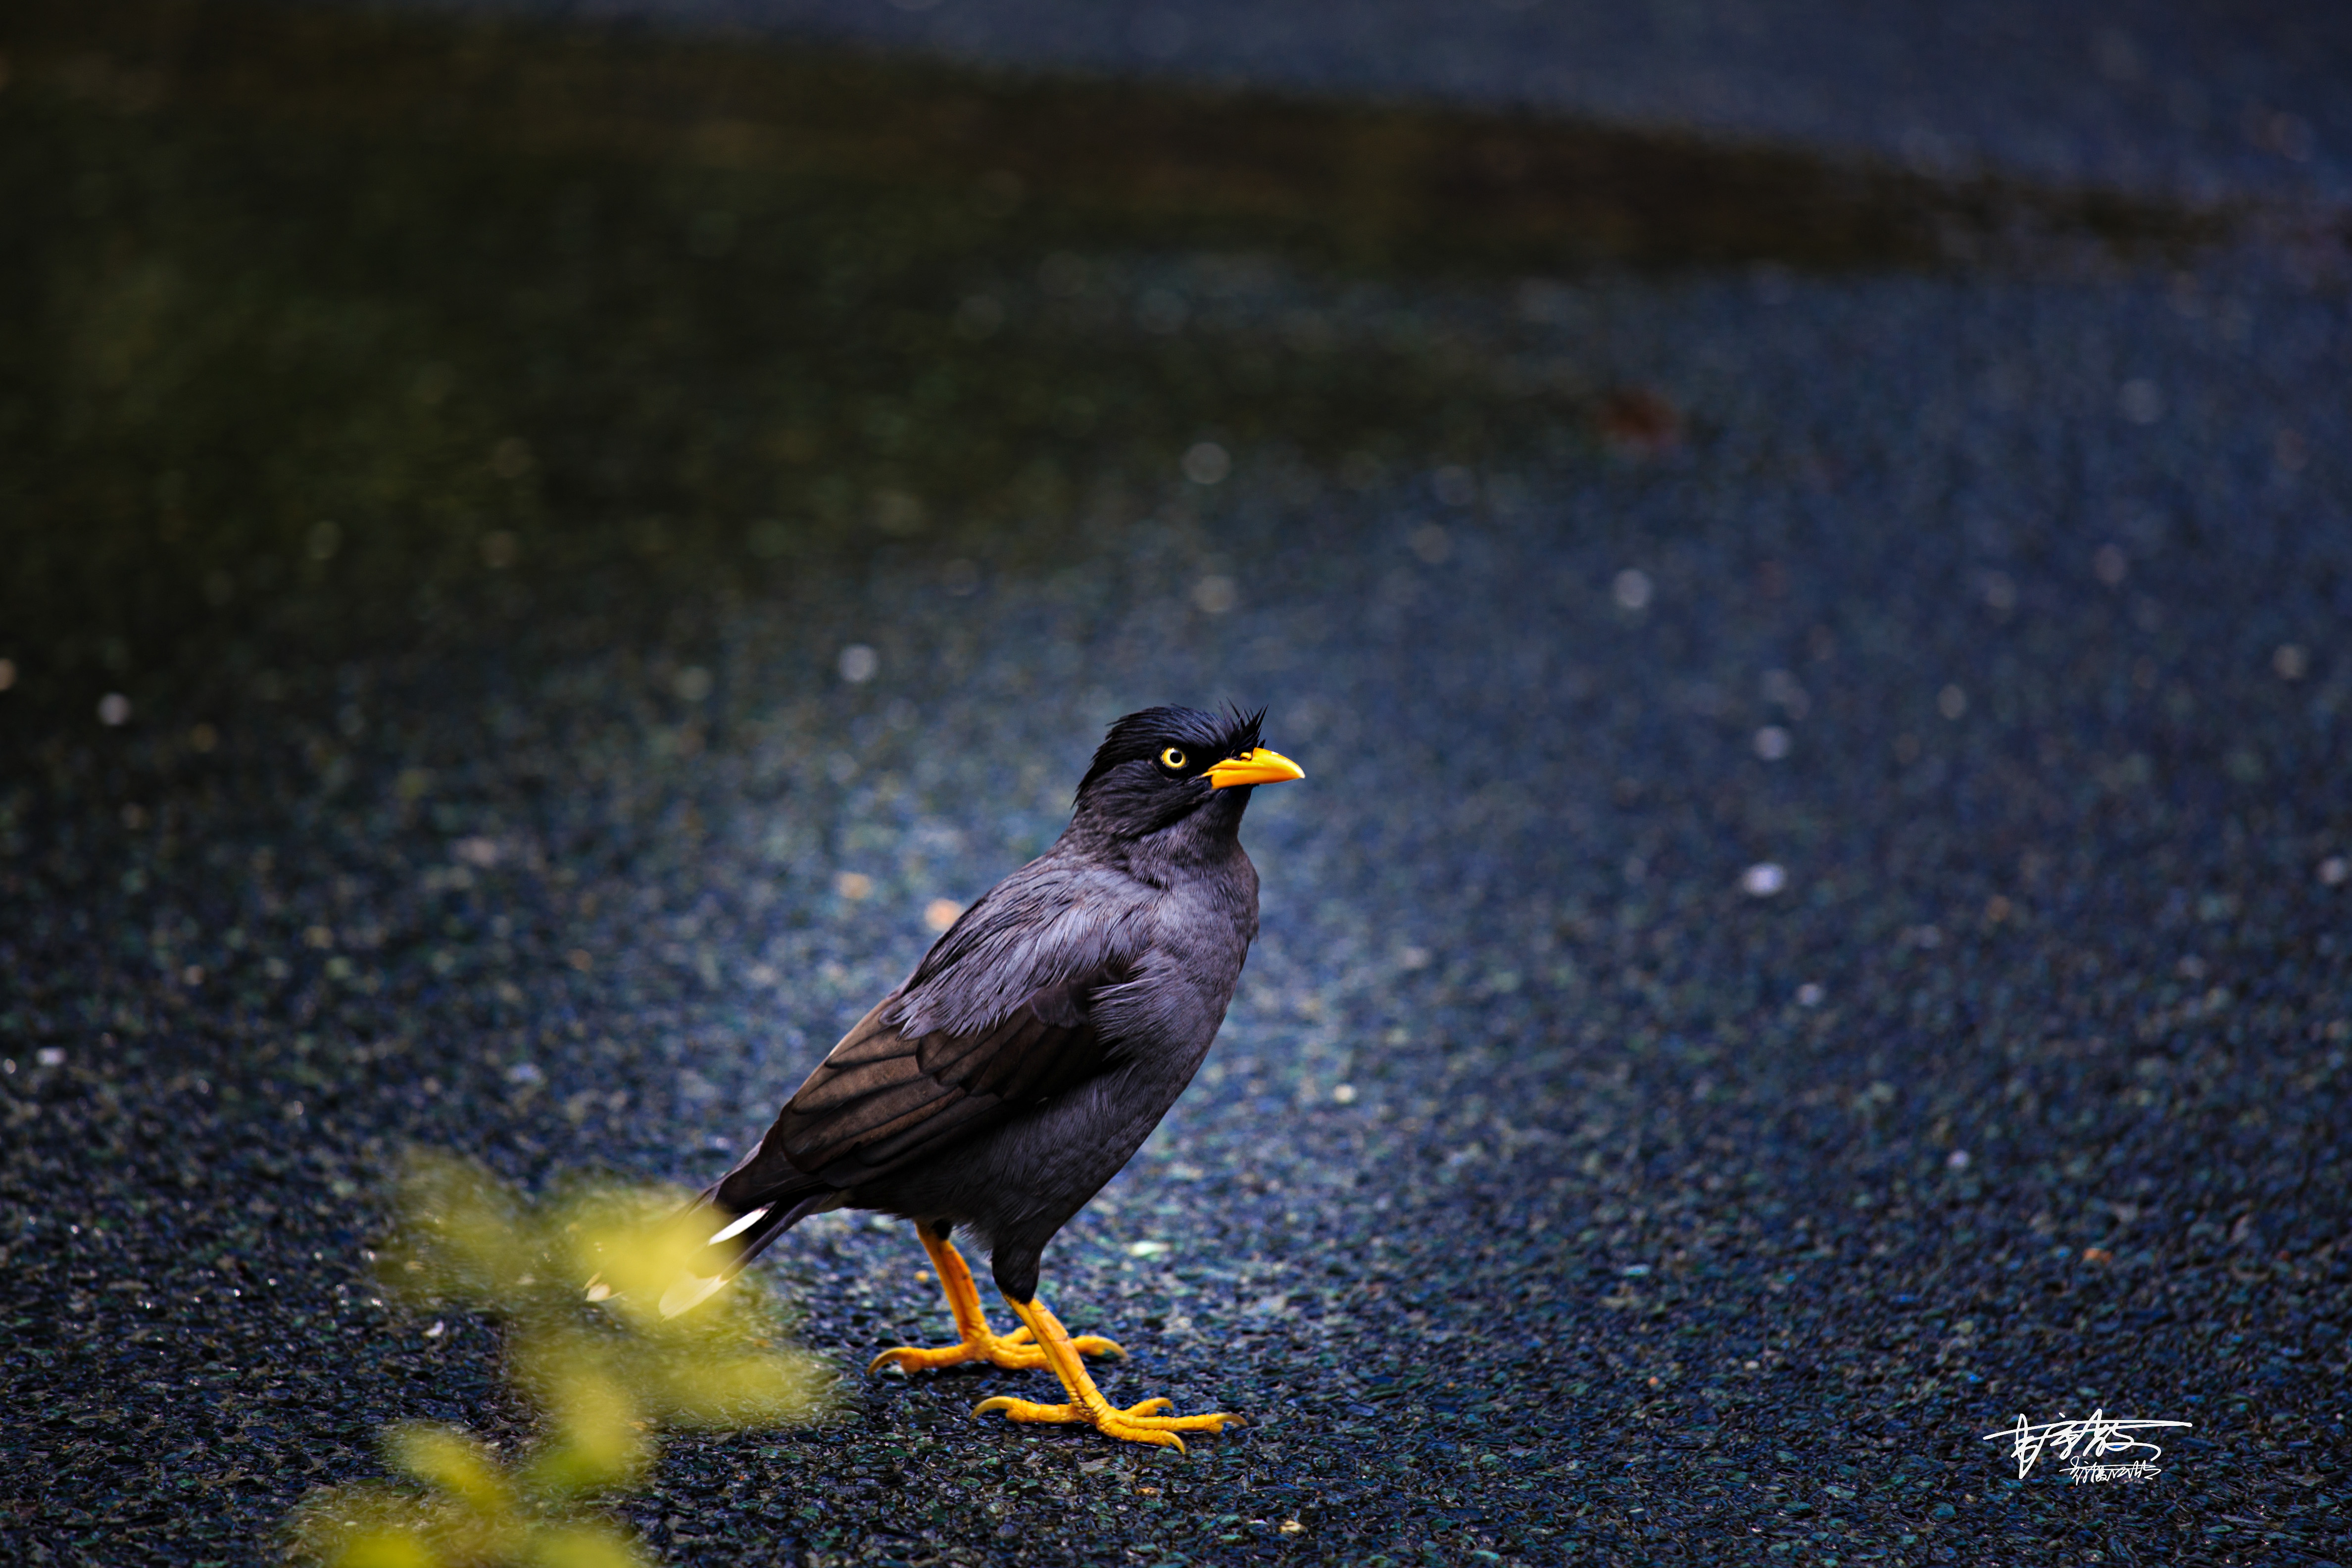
[(741, 1237), (736, 1237)]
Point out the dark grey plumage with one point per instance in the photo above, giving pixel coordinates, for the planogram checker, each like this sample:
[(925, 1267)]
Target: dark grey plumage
[(1045, 1034)]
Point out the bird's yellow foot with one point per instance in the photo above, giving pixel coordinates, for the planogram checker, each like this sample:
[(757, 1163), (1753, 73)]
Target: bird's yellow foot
[(1015, 1352), (1137, 1424)]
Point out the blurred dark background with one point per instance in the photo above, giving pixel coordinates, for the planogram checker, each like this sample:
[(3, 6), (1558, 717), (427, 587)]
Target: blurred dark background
[(319, 312), (1803, 549)]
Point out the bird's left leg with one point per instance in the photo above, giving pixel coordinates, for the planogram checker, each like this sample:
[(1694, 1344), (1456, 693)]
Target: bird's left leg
[(976, 1341), (1137, 1424)]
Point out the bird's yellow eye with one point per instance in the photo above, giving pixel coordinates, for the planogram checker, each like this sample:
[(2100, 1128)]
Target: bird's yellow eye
[(1174, 759)]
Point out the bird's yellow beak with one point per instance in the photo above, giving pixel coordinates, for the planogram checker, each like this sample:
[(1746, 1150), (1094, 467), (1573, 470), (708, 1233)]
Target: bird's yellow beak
[(1260, 766)]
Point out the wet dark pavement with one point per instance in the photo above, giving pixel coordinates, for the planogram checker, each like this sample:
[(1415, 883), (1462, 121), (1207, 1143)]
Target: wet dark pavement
[(1815, 924), (2194, 102)]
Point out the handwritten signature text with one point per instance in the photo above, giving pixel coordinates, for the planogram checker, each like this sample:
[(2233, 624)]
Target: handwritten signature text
[(2084, 1442)]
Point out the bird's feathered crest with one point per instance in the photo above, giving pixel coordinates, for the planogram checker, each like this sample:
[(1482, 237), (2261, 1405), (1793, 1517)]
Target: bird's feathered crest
[(1233, 734)]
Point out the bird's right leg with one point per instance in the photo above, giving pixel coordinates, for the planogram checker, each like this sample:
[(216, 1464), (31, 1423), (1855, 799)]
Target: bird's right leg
[(1015, 1352), (1138, 1424)]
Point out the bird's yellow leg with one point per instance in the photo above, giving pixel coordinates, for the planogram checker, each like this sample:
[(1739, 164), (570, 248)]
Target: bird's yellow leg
[(1137, 1424), (976, 1342)]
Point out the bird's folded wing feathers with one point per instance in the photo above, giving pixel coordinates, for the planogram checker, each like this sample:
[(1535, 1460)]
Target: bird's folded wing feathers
[(886, 1094)]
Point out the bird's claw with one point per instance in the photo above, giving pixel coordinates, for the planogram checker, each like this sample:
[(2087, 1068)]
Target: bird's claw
[(1137, 1424), (995, 1349), (1015, 1352)]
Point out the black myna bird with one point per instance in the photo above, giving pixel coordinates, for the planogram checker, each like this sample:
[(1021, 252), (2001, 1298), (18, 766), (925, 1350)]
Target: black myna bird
[(1031, 1052)]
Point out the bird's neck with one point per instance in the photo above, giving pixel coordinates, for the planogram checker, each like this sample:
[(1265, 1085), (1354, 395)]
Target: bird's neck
[(1208, 836)]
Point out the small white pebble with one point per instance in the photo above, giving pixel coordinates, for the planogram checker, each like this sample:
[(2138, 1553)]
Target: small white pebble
[(1810, 995), (114, 710), (2335, 869), (1344, 1093), (1216, 595), (1631, 589), (1206, 463), (1772, 743), (50, 1057), (859, 663), (1763, 879), (1958, 1159), (1454, 485), (1146, 1249)]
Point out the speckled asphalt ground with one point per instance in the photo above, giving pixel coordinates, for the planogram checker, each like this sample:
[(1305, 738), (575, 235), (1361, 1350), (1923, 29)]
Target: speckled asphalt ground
[(1816, 924)]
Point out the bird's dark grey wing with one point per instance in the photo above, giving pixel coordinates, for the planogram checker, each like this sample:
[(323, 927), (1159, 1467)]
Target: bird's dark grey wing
[(886, 1095)]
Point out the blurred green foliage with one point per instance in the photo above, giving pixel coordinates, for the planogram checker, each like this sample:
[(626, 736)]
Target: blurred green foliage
[(603, 1379)]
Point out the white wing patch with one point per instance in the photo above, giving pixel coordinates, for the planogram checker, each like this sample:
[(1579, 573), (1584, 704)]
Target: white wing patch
[(740, 1225)]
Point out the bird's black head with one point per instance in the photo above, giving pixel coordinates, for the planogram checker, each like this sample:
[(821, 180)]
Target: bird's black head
[(1158, 766)]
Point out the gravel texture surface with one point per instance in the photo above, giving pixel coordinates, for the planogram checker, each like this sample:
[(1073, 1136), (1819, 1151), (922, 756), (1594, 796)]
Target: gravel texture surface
[(1816, 922)]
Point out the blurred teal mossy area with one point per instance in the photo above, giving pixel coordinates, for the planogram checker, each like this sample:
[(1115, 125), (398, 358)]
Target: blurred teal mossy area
[(322, 326), (604, 1379)]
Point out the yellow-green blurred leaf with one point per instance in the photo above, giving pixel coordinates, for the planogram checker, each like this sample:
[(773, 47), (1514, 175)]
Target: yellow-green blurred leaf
[(586, 1546), (712, 1388), (645, 1260), (449, 1461), (603, 1381), (597, 1440), (462, 1234), (361, 1526), (385, 1549)]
